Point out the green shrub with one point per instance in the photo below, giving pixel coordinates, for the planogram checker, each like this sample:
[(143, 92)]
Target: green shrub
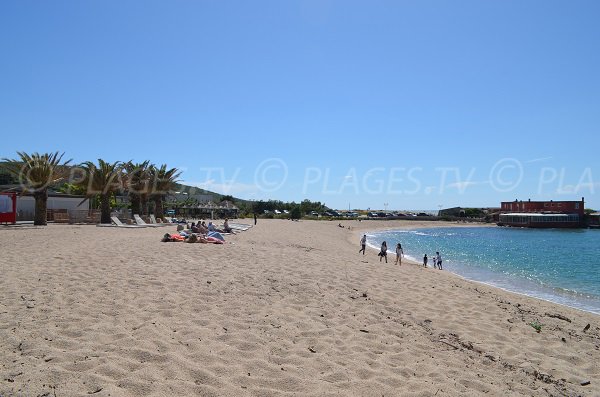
[(537, 326)]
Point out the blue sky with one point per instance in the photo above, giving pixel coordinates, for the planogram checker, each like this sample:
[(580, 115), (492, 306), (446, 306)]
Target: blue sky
[(413, 104)]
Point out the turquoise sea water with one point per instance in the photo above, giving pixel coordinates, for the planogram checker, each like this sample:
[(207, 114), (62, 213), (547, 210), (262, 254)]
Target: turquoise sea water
[(561, 266)]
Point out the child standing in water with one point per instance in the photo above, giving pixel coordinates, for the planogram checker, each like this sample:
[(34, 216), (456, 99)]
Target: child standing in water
[(399, 254)]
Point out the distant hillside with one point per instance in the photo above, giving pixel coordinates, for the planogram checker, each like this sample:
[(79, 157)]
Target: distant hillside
[(193, 190)]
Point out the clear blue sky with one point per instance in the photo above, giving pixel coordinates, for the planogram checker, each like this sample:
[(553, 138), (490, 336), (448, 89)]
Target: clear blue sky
[(415, 104)]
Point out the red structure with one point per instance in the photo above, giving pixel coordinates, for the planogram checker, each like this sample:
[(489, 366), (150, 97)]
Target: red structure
[(542, 214), (8, 208)]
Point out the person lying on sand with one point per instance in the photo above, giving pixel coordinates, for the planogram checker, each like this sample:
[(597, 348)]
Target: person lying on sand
[(167, 238), (191, 238)]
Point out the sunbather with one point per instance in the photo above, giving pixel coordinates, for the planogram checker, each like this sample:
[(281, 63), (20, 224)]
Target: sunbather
[(213, 228), (202, 228), (172, 238), (226, 227)]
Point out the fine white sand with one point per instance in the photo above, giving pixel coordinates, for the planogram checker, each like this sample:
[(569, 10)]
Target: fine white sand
[(285, 308)]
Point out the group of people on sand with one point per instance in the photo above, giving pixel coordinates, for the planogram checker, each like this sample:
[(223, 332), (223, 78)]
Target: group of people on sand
[(383, 253), (199, 233), (205, 229), (437, 259)]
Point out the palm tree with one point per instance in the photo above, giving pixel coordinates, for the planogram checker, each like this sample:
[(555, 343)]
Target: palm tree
[(137, 185), (104, 180), (163, 181), (36, 172)]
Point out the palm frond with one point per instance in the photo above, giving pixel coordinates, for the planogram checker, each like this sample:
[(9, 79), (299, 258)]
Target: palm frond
[(36, 172)]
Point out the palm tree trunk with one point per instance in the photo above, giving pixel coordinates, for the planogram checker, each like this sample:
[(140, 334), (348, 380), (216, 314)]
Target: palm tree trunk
[(105, 208), (135, 203), (158, 206), (144, 204), (41, 201)]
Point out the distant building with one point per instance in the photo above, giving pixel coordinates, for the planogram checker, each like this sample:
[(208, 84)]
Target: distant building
[(469, 212), (542, 214), (56, 203), (594, 220)]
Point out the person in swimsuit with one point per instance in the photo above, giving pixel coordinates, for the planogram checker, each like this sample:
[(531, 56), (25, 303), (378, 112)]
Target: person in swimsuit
[(399, 254), (383, 253), (363, 244)]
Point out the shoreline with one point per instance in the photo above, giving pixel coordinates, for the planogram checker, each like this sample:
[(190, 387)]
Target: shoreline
[(436, 224), (283, 308), (361, 228)]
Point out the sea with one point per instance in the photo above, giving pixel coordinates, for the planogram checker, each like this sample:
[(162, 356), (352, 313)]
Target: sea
[(557, 265)]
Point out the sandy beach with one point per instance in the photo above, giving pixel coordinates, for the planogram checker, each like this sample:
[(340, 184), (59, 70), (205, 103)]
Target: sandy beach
[(285, 308)]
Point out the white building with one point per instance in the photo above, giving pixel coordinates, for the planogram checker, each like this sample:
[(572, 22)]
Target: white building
[(26, 205)]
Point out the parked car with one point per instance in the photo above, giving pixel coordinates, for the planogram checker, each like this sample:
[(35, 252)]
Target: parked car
[(277, 212), (422, 214), (314, 213), (372, 214)]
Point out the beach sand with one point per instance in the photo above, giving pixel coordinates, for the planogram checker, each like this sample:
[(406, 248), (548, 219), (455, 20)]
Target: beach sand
[(285, 308)]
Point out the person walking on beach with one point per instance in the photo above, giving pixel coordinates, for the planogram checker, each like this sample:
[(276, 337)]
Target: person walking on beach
[(255, 218), (363, 244), (399, 254), (383, 253), (438, 260), (425, 261)]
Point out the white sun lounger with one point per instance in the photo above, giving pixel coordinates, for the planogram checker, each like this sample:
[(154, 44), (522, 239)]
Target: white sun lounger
[(240, 226), (117, 223), (154, 222), (140, 221)]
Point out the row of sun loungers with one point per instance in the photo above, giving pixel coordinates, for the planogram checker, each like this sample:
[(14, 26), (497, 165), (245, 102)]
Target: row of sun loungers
[(139, 223)]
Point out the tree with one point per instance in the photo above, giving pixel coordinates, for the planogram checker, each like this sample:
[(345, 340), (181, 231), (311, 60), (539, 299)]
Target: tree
[(103, 180), (162, 182), (71, 188), (228, 197), (138, 185), (36, 172), (295, 213)]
